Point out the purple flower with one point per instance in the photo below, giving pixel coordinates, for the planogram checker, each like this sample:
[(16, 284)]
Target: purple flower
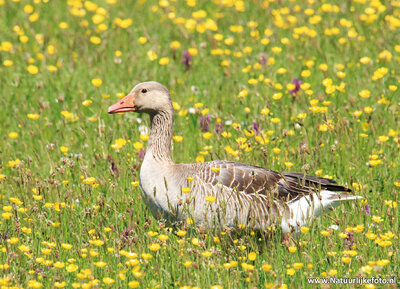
[(141, 153), (256, 128), (219, 127), (125, 235), (349, 240), (262, 60), (3, 237), (205, 123), (186, 59), (366, 209), (297, 83)]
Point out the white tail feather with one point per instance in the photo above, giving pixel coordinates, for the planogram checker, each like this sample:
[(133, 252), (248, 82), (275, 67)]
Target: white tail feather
[(307, 207)]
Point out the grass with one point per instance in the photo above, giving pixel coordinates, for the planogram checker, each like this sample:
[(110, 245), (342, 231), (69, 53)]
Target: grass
[(72, 214)]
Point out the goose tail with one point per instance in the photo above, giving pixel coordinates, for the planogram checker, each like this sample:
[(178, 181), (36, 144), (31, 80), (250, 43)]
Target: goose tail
[(301, 210)]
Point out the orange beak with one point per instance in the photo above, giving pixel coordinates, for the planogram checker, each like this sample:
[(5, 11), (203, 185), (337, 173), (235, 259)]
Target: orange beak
[(124, 105)]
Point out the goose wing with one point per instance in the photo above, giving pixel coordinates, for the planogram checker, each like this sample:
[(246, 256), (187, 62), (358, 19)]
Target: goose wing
[(248, 179)]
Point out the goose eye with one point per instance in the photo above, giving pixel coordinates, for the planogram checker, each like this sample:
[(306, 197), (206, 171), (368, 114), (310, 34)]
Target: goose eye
[(144, 90)]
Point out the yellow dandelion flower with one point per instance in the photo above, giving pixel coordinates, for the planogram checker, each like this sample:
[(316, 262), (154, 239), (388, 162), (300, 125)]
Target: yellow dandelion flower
[(72, 268), (200, 159), (154, 247), (210, 199), (147, 256), (290, 271), (267, 267), (97, 82), (32, 69), (95, 40), (304, 229), (325, 233), (133, 284), (33, 116), (108, 280), (164, 61), (252, 256)]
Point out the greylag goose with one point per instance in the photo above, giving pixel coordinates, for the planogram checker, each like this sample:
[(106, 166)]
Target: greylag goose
[(220, 194)]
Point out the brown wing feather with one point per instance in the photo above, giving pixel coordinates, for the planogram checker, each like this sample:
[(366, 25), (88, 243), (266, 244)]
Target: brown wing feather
[(257, 180)]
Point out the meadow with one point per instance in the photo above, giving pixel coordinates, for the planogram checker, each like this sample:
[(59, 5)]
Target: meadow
[(308, 86)]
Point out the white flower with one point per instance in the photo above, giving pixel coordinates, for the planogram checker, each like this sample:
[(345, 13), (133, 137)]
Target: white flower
[(334, 227), (143, 129)]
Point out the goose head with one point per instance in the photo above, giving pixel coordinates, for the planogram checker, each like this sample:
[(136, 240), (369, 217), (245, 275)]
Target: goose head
[(149, 97)]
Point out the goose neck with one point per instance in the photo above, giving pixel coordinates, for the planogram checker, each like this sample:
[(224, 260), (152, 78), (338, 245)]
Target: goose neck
[(161, 131)]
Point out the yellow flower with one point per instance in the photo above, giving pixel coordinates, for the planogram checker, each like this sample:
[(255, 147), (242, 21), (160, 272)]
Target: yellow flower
[(137, 145), (195, 242), (206, 254), (6, 215), (87, 102), (346, 259), (297, 266), (290, 271), (108, 280), (276, 150), (8, 62), (89, 181), (252, 256), (391, 204), (37, 197), (265, 111), (289, 164), (185, 190), (304, 229), (100, 264), (292, 249), (33, 116), (64, 149), (142, 40), (133, 284), (72, 268), (364, 93), (97, 242), (32, 69), (147, 256), (177, 138), (66, 246), (377, 219), (175, 44), (325, 233), (366, 269), (60, 284), (59, 265), (200, 159), (97, 82), (164, 61), (95, 40), (151, 55), (210, 199), (13, 135), (383, 138), (181, 233), (207, 135), (323, 127), (154, 247), (267, 267)]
